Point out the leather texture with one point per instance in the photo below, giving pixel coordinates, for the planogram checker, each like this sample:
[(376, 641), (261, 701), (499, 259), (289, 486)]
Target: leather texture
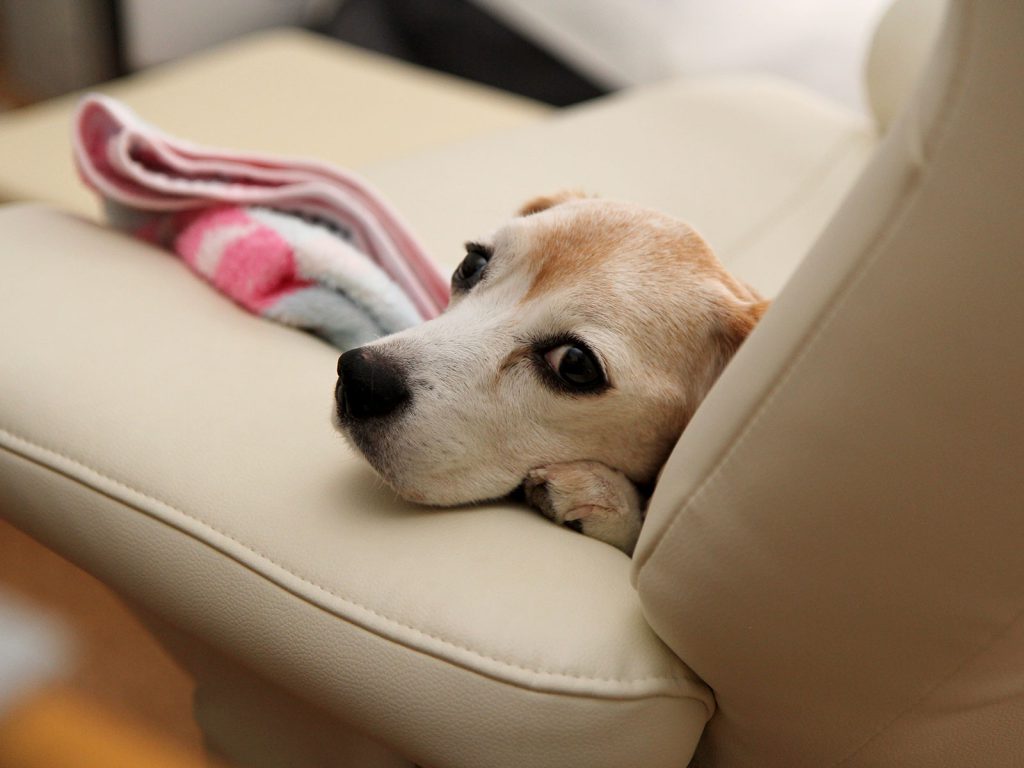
[(182, 451), (248, 721), (835, 544), (190, 446), (216, 425), (284, 91)]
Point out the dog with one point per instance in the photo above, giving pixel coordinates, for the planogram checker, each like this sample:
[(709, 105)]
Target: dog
[(579, 341)]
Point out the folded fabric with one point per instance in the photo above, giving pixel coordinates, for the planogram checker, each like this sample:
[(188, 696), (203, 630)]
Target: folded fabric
[(296, 241)]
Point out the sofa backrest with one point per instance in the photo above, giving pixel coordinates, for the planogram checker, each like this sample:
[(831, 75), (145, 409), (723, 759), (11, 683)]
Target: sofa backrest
[(837, 543), (901, 46)]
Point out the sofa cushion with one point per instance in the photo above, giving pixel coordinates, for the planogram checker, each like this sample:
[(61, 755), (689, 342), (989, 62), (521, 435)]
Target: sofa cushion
[(182, 450)]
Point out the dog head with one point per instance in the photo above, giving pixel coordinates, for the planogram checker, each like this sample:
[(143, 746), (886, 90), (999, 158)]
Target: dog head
[(582, 329)]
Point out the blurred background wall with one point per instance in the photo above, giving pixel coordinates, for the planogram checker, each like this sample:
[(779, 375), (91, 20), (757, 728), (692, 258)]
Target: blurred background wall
[(50, 47), (155, 31), (558, 51)]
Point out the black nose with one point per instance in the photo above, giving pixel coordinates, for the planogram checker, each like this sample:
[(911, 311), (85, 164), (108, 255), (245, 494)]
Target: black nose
[(369, 384)]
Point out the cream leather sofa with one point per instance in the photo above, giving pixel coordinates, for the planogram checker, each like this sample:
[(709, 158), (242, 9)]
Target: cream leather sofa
[(831, 573)]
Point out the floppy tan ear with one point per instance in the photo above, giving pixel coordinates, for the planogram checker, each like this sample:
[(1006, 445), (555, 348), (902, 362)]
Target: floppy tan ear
[(740, 320), (542, 203)]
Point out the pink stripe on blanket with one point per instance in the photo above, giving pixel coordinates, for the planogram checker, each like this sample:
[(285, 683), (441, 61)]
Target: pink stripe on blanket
[(258, 269), (188, 243), (248, 261), (140, 168)]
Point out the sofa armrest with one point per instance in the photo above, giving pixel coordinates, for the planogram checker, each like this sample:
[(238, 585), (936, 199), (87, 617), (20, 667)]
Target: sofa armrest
[(182, 451)]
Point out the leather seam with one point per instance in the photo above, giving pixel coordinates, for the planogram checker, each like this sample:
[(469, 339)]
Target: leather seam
[(16, 438)]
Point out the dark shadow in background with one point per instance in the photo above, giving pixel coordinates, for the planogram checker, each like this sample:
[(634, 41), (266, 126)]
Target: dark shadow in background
[(456, 36)]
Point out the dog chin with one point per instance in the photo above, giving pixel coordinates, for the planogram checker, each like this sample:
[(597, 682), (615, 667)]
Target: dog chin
[(439, 491), (434, 487), (443, 495), (431, 491)]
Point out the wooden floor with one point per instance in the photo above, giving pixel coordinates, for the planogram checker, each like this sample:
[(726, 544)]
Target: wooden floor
[(118, 664)]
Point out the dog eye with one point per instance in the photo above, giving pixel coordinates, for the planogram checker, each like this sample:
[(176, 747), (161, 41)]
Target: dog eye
[(576, 366), (472, 267)]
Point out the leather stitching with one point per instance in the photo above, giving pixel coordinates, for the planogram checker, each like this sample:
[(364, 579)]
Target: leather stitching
[(15, 438)]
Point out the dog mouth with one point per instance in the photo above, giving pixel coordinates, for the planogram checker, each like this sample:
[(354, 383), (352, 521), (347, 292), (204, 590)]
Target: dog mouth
[(368, 441), (342, 412), (397, 460)]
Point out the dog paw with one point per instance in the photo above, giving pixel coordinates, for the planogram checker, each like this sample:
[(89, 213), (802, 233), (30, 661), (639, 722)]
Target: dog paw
[(590, 498)]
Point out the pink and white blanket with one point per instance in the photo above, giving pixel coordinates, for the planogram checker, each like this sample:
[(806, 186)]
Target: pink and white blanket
[(297, 241)]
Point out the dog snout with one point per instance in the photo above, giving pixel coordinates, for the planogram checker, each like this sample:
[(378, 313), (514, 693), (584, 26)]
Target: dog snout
[(370, 384)]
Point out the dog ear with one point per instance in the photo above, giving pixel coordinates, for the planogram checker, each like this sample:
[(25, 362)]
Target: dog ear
[(739, 320), (542, 203)]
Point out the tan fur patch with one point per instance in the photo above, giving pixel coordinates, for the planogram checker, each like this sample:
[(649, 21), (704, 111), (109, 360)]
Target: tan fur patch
[(739, 322), (575, 249), (543, 202), (565, 256)]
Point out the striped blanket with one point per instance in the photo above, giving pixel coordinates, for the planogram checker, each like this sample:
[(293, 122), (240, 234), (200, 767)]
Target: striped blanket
[(296, 241)]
